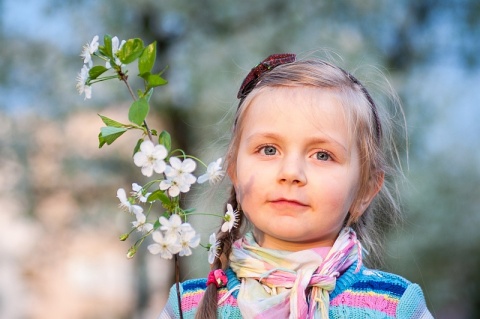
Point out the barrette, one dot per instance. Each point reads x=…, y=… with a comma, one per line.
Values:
x=266, y=65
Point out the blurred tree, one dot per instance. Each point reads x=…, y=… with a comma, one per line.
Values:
x=210, y=45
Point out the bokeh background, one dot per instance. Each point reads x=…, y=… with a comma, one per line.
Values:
x=60, y=256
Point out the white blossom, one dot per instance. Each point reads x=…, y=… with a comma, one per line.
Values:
x=213, y=249
x=175, y=186
x=164, y=245
x=171, y=226
x=126, y=204
x=151, y=158
x=186, y=227
x=141, y=223
x=230, y=219
x=137, y=192
x=82, y=79
x=181, y=169
x=188, y=239
x=179, y=177
x=116, y=45
x=88, y=50
x=214, y=173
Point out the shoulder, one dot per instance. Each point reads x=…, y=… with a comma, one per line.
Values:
x=378, y=293
x=191, y=294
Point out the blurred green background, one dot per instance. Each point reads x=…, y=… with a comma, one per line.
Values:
x=59, y=221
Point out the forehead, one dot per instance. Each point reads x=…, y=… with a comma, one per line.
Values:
x=305, y=108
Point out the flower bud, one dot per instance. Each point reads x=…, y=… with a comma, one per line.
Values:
x=124, y=237
x=131, y=252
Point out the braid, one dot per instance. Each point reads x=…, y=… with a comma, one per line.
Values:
x=208, y=305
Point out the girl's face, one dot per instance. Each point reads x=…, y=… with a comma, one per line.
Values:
x=297, y=171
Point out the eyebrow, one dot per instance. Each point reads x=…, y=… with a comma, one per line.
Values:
x=311, y=140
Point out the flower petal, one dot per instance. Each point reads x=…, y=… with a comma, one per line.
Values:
x=176, y=163
x=203, y=178
x=147, y=147
x=165, y=184
x=189, y=165
x=140, y=159
x=122, y=195
x=195, y=241
x=225, y=227
x=159, y=166
x=175, y=220
x=136, y=209
x=164, y=222
x=160, y=152
x=174, y=191
x=157, y=237
x=154, y=248
x=147, y=170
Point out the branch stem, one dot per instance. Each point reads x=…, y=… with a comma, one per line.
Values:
x=124, y=78
x=177, y=284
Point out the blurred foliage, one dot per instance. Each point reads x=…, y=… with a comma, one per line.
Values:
x=428, y=49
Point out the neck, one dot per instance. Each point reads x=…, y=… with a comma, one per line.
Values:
x=269, y=242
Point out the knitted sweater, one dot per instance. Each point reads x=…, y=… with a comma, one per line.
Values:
x=364, y=294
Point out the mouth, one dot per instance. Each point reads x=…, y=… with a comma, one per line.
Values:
x=288, y=203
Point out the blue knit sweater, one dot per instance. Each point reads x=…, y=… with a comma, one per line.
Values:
x=364, y=294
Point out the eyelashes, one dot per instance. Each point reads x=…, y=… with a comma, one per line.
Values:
x=271, y=150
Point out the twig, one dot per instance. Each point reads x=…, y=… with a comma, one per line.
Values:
x=124, y=78
x=177, y=283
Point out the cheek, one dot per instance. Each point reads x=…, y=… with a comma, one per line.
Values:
x=244, y=186
x=352, y=194
x=341, y=192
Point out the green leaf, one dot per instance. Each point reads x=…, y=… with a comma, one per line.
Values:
x=106, y=49
x=130, y=51
x=166, y=140
x=144, y=75
x=159, y=195
x=138, y=111
x=137, y=147
x=110, y=122
x=96, y=71
x=147, y=95
x=101, y=140
x=154, y=80
x=109, y=134
x=147, y=59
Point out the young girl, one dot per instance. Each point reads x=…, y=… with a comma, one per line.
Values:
x=308, y=160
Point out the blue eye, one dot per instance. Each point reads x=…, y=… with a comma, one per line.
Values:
x=322, y=156
x=269, y=150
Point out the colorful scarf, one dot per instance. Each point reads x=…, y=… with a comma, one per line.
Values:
x=284, y=284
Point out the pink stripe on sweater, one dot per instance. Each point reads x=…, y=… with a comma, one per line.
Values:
x=372, y=301
x=191, y=300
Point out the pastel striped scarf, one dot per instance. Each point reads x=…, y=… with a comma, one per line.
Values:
x=284, y=284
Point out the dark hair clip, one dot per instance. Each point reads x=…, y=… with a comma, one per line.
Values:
x=378, y=126
x=266, y=65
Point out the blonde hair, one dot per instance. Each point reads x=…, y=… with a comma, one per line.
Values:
x=378, y=155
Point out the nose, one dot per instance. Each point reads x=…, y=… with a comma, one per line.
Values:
x=292, y=171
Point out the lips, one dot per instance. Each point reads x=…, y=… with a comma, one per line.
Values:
x=288, y=203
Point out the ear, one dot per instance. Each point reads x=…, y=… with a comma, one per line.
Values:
x=375, y=185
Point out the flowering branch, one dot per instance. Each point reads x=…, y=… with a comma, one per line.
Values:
x=169, y=229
